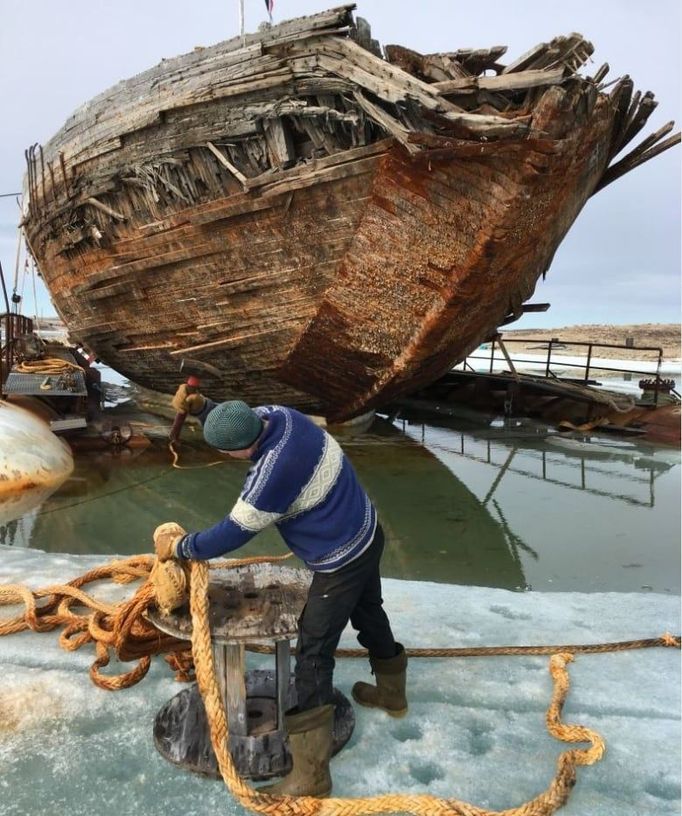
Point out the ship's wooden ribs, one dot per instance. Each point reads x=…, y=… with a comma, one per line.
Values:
x=572, y=51
x=650, y=140
x=638, y=118
x=601, y=73
x=636, y=158
x=279, y=143
x=621, y=96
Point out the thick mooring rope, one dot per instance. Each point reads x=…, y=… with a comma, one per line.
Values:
x=545, y=803
x=122, y=629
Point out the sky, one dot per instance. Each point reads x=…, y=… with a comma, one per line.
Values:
x=620, y=262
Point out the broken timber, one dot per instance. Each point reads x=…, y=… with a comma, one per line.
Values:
x=317, y=224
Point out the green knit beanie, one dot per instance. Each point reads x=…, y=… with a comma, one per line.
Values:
x=232, y=426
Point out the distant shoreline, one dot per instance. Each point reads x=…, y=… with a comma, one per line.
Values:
x=665, y=336
x=658, y=335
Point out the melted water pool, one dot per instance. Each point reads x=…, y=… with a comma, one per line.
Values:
x=499, y=507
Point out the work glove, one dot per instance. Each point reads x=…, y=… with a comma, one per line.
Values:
x=166, y=538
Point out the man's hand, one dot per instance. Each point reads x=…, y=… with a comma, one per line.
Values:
x=166, y=536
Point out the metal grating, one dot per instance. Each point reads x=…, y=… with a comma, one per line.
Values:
x=42, y=385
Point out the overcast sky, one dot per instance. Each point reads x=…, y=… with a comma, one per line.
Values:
x=620, y=263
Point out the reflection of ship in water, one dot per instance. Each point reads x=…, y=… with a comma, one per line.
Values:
x=436, y=528
x=18, y=513
x=575, y=462
x=91, y=511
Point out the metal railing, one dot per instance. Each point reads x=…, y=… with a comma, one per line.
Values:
x=589, y=366
x=11, y=326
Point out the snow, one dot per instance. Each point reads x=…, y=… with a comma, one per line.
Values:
x=475, y=729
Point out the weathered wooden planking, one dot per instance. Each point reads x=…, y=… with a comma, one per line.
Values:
x=379, y=349
x=245, y=246
x=430, y=67
x=252, y=603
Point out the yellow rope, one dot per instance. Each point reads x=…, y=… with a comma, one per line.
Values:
x=547, y=802
x=176, y=457
x=119, y=628
x=122, y=628
x=50, y=365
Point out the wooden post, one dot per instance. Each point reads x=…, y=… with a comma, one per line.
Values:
x=508, y=359
x=588, y=363
x=229, y=660
x=549, y=356
x=241, y=23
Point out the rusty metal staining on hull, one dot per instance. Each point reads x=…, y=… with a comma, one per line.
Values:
x=316, y=224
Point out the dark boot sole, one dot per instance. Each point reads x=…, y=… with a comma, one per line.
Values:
x=396, y=713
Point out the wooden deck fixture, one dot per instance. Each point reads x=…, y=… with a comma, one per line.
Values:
x=257, y=604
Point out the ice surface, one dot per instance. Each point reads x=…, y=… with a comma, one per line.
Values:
x=475, y=729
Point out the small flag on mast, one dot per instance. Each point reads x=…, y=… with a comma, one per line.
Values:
x=269, y=5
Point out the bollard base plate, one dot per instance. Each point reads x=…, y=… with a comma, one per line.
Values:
x=181, y=733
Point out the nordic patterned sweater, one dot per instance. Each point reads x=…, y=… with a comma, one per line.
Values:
x=302, y=482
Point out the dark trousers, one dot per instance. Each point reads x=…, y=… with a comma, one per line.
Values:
x=351, y=593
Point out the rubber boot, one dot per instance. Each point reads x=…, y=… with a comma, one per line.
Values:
x=389, y=692
x=310, y=743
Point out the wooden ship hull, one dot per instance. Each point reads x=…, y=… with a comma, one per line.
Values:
x=311, y=223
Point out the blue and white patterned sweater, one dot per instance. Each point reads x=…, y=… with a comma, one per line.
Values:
x=301, y=481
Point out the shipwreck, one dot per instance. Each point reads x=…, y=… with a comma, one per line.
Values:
x=311, y=221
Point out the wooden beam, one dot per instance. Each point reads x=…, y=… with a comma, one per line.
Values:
x=241, y=178
x=93, y=202
x=385, y=120
x=505, y=82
